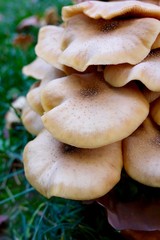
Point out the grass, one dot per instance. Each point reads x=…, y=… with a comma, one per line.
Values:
x=30, y=215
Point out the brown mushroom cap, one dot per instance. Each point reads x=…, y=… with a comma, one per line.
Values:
x=147, y=72
x=141, y=153
x=84, y=111
x=155, y=110
x=109, y=10
x=31, y=120
x=37, y=69
x=104, y=42
x=56, y=169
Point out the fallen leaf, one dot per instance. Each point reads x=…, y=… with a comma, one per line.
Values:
x=32, y=21
x=141, y=214
x=23, y=40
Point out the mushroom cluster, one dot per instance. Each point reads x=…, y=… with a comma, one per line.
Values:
x=98, y=97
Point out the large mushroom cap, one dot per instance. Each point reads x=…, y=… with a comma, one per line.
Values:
x=141, y=153
x=104, y=42
x=147, y=72
x=113, y=9
x=49, y=47
x=84, y=111
x=56, y=169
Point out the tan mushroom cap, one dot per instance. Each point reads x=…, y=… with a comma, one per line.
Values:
x=33, y=96
x=31, y=120
x=48, y=46
x=156, y=2
x=104, y=42
x=56, y=169
x=141, y=153
x=147, y=72
x=84, y=111
x=109, y=10
x=37, y=69
x=155, y=110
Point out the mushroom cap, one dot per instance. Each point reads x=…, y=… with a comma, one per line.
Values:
x=33, y=96
x=84, y=111
x=17, y=106
x=155, y=2
x=37, y=69
x=141, y=154
x=155, y=110
x=49, y=48
x=109, y=10
x=49, y=45
x=104, y=42
x=56, y=169
x=147, y=72
x=31, y=120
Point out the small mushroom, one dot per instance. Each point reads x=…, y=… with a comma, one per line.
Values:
x=103, y=42
x=113, y=9
x=37, y=69
x=57, y=169
x=141, y=153
x=31, y=120
x=33, y=96
x=84, y=111
x=12, y=115
x=147, y=72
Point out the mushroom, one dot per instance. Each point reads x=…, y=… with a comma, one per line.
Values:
x=51, y=52
x=147, y=72
x=15, y=109
x=37, y=69
x=109, y=10
x=84, y=111
x=33, y=96
x=141, y=154
x=31, y=120
x=57, y=169
x=49, y=44
x=104, y=42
